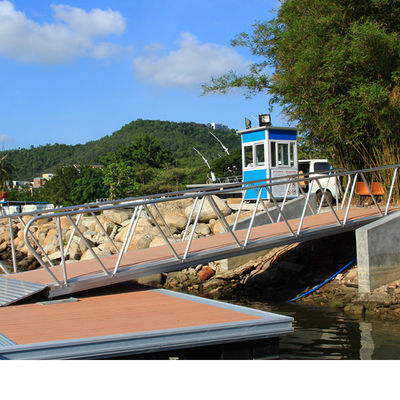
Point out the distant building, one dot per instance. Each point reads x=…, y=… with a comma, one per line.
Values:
x=19, y=184
x=38, y=182
x=47, y=176
x=215, y=126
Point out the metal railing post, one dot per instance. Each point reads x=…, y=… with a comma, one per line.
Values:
x=391, y=190
x=190, y=218
x=252, y=219
x=60, y=240
x=304, y=208
x=194, y=227
x=370, y=192
x=350, y=197
x=14, y=259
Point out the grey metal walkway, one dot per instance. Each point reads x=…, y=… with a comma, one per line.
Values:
x=69, y=276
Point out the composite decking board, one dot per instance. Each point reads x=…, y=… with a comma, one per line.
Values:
x=220, y=241
x=122, y=313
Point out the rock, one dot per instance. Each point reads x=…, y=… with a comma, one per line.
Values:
x=117, y=216
x=202, y=229
x=205, y=273
x=51, y=237
x=176, y=222
x=87, y=255
x=157, y=241
x=75, y=251
x=144, y=242
x=207, y=211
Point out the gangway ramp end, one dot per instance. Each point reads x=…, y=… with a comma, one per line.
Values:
x=13, y=290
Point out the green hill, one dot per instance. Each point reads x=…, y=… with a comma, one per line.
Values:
x=179, y=138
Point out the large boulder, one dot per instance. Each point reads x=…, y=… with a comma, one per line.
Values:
x=117, y=216
x=207, y=211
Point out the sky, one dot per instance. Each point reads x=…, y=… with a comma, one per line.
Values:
x=77, y=70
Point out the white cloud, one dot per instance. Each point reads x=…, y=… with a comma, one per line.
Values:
x=72, y=34
x=5, y=138
x=192, y=64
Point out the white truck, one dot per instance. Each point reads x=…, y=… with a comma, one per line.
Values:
x=319, y=167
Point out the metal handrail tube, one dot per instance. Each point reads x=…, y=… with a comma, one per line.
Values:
x=350, y=197
x=322, y=197
x=391, y=190
x=14, y=259
x=345, y=192
x=280, y=211
x=305, y=195
x=303, y=213
x=89, y=247
x=222, y=219
x=124, y=245
x=264, y=206
x=134, y=226
x=284, y=201
x=71, y=238
x=162, y=232
x=37, y=243
x=240, y=209
x=60, y=240
x=328, y=201
x=189, y=219
x=371, y=194
x=194, y=227
x=252, y=219
x=35, y=253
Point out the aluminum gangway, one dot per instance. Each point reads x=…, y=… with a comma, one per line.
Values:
x=178, y=252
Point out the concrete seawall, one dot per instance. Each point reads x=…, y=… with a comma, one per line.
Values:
x=378, y=253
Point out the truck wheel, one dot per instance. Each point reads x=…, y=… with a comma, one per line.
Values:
x=328, y=195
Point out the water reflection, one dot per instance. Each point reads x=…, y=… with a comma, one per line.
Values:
x=325, y=334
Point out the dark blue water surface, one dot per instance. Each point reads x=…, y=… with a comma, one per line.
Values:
x=324, y=334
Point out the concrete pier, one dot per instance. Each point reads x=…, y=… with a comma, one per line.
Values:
x=378, y=253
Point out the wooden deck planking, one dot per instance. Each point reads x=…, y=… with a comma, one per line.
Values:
x=156, y=254
x=112, y=314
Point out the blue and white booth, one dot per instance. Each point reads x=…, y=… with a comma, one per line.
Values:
x=269, y=152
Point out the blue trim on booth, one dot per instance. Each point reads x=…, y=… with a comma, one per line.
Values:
x=253, y=136
x=282, y=134
x=254, y=175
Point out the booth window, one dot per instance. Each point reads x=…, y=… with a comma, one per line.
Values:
x=260, y=155
x=283, y=154
x=292, y=152
x=248, y=156
x=273, y=154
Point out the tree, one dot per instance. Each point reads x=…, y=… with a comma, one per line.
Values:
x=89, y=186
x=58, y=190
x=119, y=177
x=228, y=164
x=6, y=170
x=334, y=67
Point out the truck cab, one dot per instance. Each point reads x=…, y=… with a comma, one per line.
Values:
x=319, y=167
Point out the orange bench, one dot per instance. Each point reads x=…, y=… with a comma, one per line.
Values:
x=362, y=190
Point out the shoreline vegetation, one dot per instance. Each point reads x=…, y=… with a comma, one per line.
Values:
x=277, y=276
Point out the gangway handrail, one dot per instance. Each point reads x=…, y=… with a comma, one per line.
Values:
x=144, y=203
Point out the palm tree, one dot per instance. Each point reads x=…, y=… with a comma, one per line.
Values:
x=6, y=170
